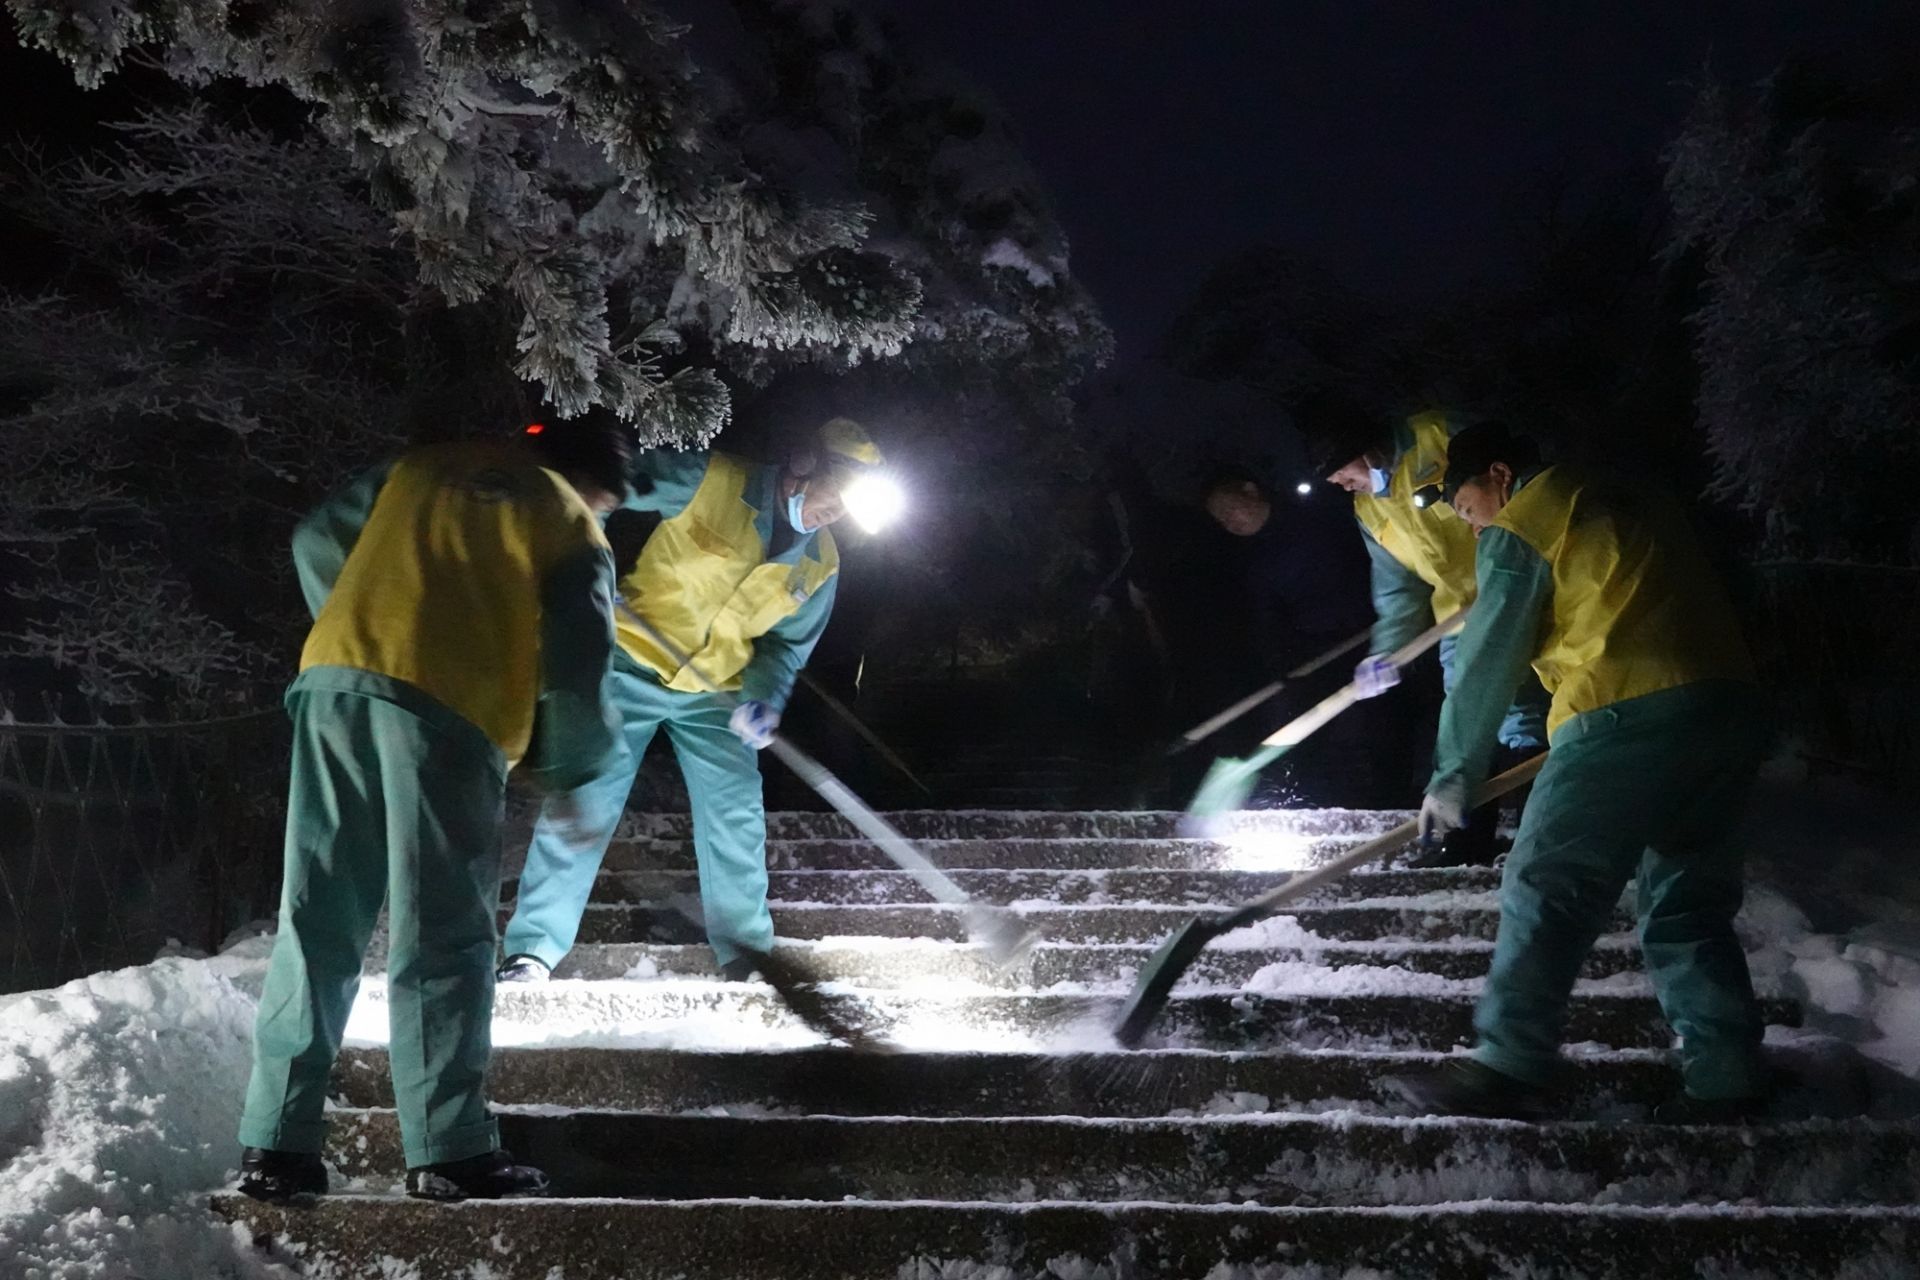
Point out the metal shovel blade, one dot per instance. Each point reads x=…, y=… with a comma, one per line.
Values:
x=1003, y=933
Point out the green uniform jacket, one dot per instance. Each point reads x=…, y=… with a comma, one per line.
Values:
x=1604, y=590
x=704, y=580
x=473, y=587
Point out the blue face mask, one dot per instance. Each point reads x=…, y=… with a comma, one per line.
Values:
x=1382, y=480
x=796, y=510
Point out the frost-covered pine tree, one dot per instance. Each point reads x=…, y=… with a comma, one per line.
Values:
x=225, y=333
x=621, y=206
x=565, y=155
x=1801, y=201
x=978, y=399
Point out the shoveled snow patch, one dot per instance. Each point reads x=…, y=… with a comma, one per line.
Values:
x=1305, y=979
x=1862, y=986
x=1275, y=933
x=119, y=1096
x=1118, y=1267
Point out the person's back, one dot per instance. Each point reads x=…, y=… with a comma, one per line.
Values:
x=1637, y=608
x=1656, y=729
x=457, y=591
x=443, y=586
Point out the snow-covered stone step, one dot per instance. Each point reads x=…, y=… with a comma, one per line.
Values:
x=802, y=1240
x=1064, y=888
x=1309, y=1008
x=1398, y=920
x=1327, y=1159
x=826, y=1080
x=995, y=824
x=1254, y=851
x=909, y=962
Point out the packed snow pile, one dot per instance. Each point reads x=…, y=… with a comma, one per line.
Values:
x=1861, y=986
x=119, y=1096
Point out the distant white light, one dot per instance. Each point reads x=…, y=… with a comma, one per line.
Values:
x=1304, y=489
x=874, y=502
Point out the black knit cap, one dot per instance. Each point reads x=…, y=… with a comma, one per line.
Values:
x=1473, y=451
x=595, y=446
x=1337, y=429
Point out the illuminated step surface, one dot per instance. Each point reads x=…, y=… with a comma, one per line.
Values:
x=993, y=1130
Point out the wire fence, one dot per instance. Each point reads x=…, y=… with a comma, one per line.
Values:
x=116, y=840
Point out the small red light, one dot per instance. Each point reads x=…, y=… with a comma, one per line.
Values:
x=535, y=428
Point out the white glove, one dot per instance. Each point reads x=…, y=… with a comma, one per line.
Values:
x=1374, y=676
x=1438, y=816
x=753, y=722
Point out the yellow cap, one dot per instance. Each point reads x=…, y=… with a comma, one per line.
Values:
x=848, y=440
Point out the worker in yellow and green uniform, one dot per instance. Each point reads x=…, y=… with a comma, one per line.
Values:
x=1656, y=734
x=738, y=579
x=462, y=602
x=1422, y=568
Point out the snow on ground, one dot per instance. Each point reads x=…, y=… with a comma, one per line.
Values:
x=119, y=1095
x=1833, y=910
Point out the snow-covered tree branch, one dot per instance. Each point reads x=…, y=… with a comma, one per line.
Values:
x=1802, y=204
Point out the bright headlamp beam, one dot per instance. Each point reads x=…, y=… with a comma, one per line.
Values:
x=1304, y=489
x=874, y=502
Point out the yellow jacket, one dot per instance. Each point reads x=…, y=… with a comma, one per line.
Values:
x=475, y=576
x=1422, y=556
x=705, y=580
x=1604, y=590
x=1637, y=608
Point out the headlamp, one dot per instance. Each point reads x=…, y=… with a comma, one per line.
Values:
x=874, y=501
x=1428, y=496
x=1304, y=489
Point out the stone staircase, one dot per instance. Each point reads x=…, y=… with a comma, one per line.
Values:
x=695, y=1129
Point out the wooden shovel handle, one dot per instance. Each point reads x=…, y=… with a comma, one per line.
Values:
x=1379, y=846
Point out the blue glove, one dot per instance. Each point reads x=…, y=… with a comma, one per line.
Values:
x=1374, y=676
x=753, y=722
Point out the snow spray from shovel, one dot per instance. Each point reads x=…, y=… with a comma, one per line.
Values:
x=1230, y=781
x=1184, y=944
x=1004, y=934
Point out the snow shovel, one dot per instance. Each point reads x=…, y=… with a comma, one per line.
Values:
x=1207, y=728
x=834, y=1015
x=1003, y=933
x=1184, y=944
x=1230, y=781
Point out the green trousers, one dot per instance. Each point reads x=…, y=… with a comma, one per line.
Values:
x=729, y=825
x=383, y=804
x=1649, y=787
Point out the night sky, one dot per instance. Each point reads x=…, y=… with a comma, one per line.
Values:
x=1388, y=142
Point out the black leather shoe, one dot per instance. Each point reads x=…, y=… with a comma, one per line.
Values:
x=740, y=969
x=276, y=1177
x=491, y=1176
x=1464, y=1087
